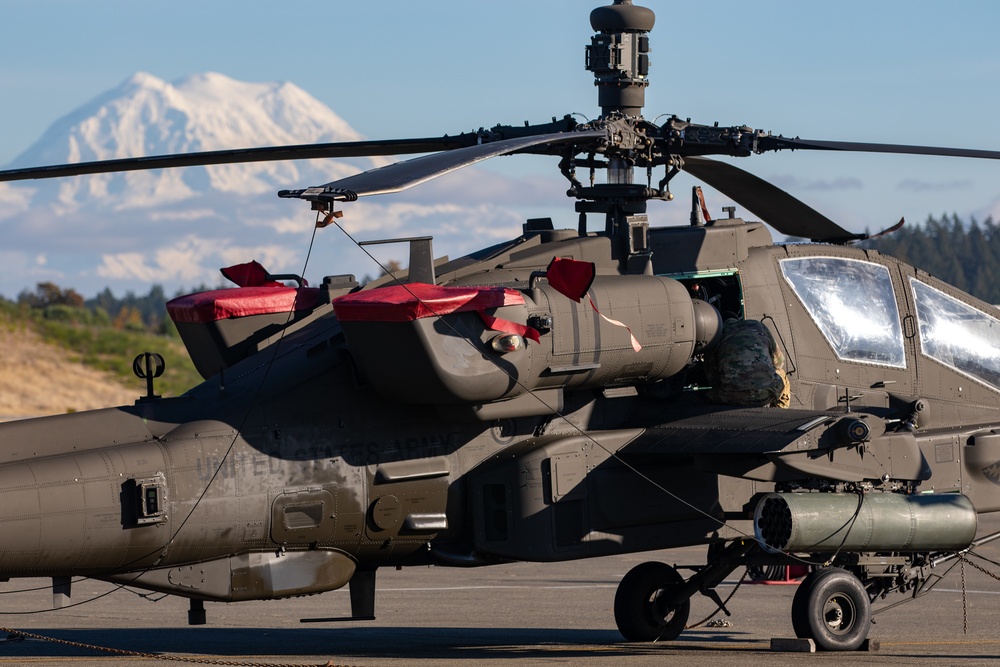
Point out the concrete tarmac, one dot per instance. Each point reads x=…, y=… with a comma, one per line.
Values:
x=511, y=615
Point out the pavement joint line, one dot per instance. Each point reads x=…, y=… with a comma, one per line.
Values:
x=483, y=588
x=944, y=642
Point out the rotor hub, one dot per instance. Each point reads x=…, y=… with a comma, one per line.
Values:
x=622, y=16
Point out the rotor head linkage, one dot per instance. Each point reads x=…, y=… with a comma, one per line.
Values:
x=619, y=56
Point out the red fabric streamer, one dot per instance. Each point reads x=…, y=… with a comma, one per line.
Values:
x=635, y=342
x=508, y=327
x=571, y=277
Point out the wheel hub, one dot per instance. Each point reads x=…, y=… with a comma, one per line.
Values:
x=662, y=610
x=839, y=613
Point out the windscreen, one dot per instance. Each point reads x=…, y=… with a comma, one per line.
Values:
x=853, y=304
x=958, y=335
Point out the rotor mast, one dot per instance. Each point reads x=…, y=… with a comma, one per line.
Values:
x=618, y=56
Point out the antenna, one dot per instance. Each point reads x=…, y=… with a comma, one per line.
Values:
x=148, y=365
x=619, y=56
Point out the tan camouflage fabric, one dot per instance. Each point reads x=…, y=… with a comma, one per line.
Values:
x=747, y=368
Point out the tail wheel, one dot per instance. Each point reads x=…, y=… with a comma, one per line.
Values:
x=832, y=608
x=643, y=611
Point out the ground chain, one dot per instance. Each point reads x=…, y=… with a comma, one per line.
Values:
x=163, y=656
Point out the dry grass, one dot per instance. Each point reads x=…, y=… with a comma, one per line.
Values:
x=37, y=379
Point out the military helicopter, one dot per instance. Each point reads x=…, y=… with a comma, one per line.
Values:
x=553, y=397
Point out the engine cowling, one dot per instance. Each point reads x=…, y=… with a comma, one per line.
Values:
x=412, y=345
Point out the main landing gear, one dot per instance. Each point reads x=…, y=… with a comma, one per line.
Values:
x=653, y=601
x=649, y=604
x=832, y=608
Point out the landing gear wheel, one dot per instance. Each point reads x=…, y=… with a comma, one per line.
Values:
x=799, y=614
x=642, y=611
x=832, y=608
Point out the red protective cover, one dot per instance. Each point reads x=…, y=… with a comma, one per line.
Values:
x=405, y=303
x=571, y=277
x=241, y=302
x=251, y=274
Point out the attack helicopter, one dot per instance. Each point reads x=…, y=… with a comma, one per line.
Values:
x=549, y=398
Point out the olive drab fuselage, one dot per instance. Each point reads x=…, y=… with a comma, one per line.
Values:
x=554, y=397
x=293, y=470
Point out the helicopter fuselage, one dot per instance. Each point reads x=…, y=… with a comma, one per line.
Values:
x=290, y=472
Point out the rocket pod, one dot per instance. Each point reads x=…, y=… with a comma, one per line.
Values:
x=827, y=522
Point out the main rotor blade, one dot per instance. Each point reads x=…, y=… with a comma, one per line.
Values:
x=262, y=154
x=403, y=175
x=780, y=143
x=776, y=207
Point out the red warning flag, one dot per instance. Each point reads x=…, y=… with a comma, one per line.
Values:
x=573, y=278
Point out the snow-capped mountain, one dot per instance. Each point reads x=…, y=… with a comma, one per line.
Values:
x=148, y=116
x=176, y=227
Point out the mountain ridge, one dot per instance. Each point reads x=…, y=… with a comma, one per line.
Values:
x=169, y=226
x=145, y=115
x=131, y=230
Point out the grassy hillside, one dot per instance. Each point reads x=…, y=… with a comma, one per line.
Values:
x=97, y=343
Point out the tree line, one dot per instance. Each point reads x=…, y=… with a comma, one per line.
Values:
x=132, y=312
x=966, y=255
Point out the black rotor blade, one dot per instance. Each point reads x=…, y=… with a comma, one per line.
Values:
x=262, y=154
x=781, y=143
x=776, y=207
x=403, y=175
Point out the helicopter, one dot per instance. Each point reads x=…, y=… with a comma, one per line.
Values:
x=552, y=397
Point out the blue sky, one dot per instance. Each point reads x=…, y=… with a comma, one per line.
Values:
x=899, y=72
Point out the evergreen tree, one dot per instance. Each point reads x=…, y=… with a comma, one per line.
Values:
x=964, y=255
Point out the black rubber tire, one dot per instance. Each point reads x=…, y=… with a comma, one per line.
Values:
x=641, y=613
x=832, y=608
x=800, y=623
